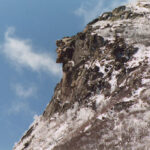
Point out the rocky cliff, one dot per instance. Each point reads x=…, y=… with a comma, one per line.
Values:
x=103, y=99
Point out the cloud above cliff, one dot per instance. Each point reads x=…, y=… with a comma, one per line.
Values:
x=22, y=54
x=23, y=91
x=20, y=107
x=132, y=1
x=93, y=8
x=88, y=12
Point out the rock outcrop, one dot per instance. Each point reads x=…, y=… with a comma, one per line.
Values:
x=103, y=99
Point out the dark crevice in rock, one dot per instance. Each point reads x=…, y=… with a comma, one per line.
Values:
x=28, y=133
x=123, y=105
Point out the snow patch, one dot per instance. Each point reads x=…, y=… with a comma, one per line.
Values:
x=48, y=134
x=99, y=99
x=133, y=30
x=142, y=54
x=87, y=128
x=101, y=116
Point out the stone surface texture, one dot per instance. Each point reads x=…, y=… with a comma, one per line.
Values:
x=103, y=99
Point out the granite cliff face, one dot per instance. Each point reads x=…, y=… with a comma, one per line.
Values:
x=103, y=99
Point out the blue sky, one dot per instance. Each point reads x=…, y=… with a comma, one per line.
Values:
x=28, y=31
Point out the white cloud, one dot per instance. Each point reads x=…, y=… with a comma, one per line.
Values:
x=87, y=13
x=20, y=107
x=132, y=1
x=93, y=8
x=25, y=92
x=22, y=53
x=21, y=104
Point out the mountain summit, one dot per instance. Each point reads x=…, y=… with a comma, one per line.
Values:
x=103, y=99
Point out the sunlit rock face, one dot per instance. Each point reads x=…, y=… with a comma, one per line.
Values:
x=103, y=99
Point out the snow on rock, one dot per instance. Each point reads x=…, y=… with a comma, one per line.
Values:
x=87, y=128
x=142, y=55
x=49, y=133
x=103, y=100
x=99, y=99
x=133, y=30
x=100, y=117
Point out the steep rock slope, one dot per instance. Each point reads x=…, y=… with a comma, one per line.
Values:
x=103, y=99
